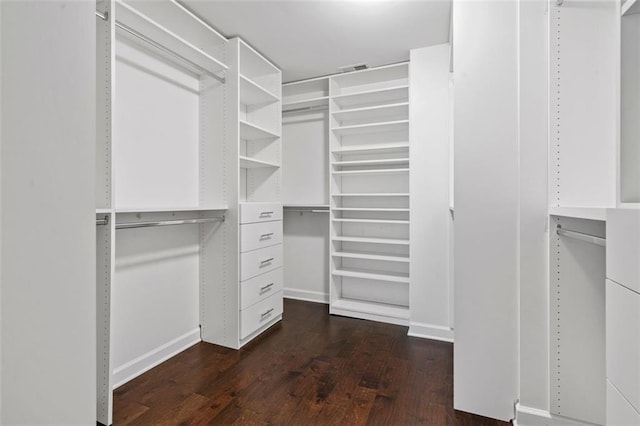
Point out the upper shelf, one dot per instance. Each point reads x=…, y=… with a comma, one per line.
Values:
x=591, y=213
x=169, y=209
x=252, y=163
x=389, y=126
x=400, y=110
x=371, y=149
x=249, y=131
x=251, y=93
x=305, y=104
x=394, y=94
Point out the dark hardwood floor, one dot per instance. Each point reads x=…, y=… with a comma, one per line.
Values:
x=313, y=368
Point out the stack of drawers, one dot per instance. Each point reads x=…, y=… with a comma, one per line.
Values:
x=623, y=317
x=260, y=265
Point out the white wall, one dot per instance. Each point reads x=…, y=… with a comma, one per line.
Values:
x=47, y=225
x=429, y=182
x=486, y=208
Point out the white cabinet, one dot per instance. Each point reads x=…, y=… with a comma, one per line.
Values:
x=260, y=212
x=259, y=288
x=260, y=261
x=259, y=235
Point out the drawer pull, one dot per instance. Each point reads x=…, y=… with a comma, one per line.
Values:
x=267, y=313
x=263, y=214
x=264, y=262
x=266, y=287
x=266, y=236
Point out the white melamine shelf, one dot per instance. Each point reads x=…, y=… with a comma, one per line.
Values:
x=104, y=211
x=373, y=194
x=591, y=213
x=395, y=277
x=394, y=94
x=372, y=308
x=252, y=93
x=380, y=111
x=369, y=255
x=370, y=240
x=249, y=131
x=630, y=7
x=372, y=149
x=305, y=206
x=252, y=163
x=169, y=209
x=306, y=103
x=370, y=172
x=379, y=221
x=359, y=129
x=381, y=162
x=369, y=209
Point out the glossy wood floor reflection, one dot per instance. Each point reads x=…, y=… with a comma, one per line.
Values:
x=312, y=369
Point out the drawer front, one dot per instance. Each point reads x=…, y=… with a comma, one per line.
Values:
x=260, y=314
x=259, y=288
x=258, y=235
x=623, y=247
x=258, y=262
x=623, y=341
x=260, y=212
x=619, y=411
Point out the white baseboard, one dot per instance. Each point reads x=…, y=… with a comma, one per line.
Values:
x=528, y=416
x=430, y=331
x=306, y=295
x=145, y=362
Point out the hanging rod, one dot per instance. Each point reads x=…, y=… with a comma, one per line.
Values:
x=129, y=225
x=581, y=236
x=306, y=109
x=104, y=16
x=103, y=221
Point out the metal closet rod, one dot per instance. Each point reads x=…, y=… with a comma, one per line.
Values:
x=103, y=221
x=581, y=236
x=105, y=17
x=129, y=225
x=306, y=109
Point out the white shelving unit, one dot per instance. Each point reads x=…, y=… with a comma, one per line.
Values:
x=369, y=151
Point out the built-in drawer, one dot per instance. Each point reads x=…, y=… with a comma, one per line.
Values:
x=623, y=247
x=259, y=261
x=623, y=341
x=259, y=288
x=619, y=411
x=258, y=235
x=260, y=212
x=260, y=314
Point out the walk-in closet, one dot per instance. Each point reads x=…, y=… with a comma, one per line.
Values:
x=343, y=212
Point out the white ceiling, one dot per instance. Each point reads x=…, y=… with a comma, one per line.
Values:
x=310, y=38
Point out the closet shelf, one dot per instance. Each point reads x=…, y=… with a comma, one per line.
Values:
x=359, y=129
x=170, y=209
x=305, y=206
x=395, y=277
x=373, y=194
x=382, y=162
x=379, y=221
x=379, y=111
x=306, y=103
x=372, y=308
x=369, y=255
x=592, y=213
x=370, y=209
x=104, y=211
x=367, y=97
x=369, y=240
x=251, y=163
x=249, y=131
x=251, y=93
x=370, y=172
x=373, y=149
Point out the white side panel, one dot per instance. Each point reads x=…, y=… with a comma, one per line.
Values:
x=486, y=216
x=623, y=247
x=619, y=411
x=48, y=213
x=429, y=183
x=534, y=247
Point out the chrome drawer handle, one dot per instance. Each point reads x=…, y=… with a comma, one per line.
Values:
x=267, y=313
x=264, y=262
x=266, y=236
x=266, y=287
x=265, y=214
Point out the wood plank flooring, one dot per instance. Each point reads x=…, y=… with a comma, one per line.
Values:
x=312, y=369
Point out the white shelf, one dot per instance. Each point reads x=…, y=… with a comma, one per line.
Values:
x=379, y=221
x=306, y=103
x=306, y=206
x=366, y=255
x=251, y=163
x=252, y=93
x=104, y=211
x=373, y=149
x=169, y=209
x=370, y=209
x=395, y=277
x=367, y=113
x=382, y=162
x=249, y=131
x=359, y=129
x=370, y=240
x=630, y=7
x=387, y=95
x=370, y=172
x=372, y=308
x=591, y=213
x=373, y=194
